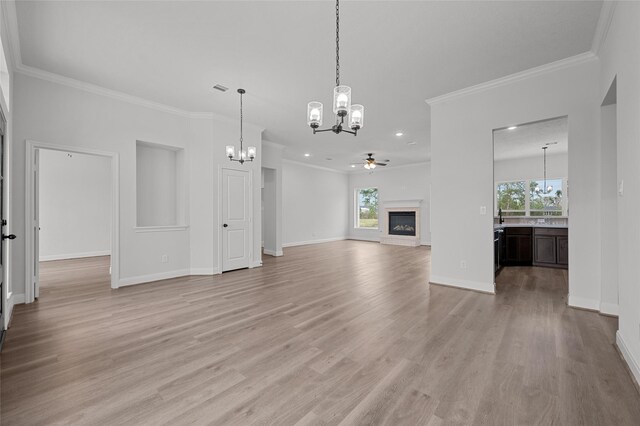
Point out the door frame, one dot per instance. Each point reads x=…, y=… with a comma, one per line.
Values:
x=30, y=209
x=220, y=222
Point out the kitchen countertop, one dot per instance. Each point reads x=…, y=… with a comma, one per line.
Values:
x=529, y=225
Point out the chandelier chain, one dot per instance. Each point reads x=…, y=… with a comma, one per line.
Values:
x=337, y=43
x=241, y=122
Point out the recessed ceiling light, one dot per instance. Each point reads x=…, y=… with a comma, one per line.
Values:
x=512, y=128
x=411, y=143
x=399, y=133
x=353, y=165
x=220, y=87
x=307, y=155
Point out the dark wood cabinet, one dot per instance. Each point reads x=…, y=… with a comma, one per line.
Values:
x=563, y=250
x=551, y=247
x=518, y=246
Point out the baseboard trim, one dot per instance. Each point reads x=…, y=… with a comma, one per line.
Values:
x=609, y=309
x=632, y=364
x=370, y=239
x=18, y=299
x=141, y=279
x=74, y=255
x=582, y=303
x=480, y=287
x=306, y=243
x=204, y=271
x=256, y=264
x=273, y=253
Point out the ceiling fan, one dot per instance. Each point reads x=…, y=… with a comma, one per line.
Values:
x=370, y=163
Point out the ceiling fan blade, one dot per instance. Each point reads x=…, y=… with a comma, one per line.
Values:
x=381, y=164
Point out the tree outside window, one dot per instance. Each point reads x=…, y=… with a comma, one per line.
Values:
x=367, y=208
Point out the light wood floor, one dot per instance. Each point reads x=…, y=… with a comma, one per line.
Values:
x=346, y=332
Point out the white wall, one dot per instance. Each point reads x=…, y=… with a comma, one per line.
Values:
x=314, y=204
x=620, y=59
x=75, y=205
x=272, y=161
x=55, y=113
x=410, y=182
x=462, y=172
x=531, y=168
x=609, y=212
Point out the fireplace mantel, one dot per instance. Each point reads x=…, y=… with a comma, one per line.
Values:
x=395, y=204
x=401, y=205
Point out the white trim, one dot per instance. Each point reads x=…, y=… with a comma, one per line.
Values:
x=313, y=166
x=309, y=242
x=359, y=238
x=604, y=23
x=583, y=303
x=609, y=308
x=31, y=147
x=141, y=279
x=50, y=257
x=273, y=253
x=626, y=355
x=17, y=299
x=489, y=288
x=204, y=271
x=167, y=228
x=255, y=264
x=513, y=78
x=11, y=21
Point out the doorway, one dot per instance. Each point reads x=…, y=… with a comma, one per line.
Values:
x=5, y=289
x=74, y=195
x=531, y=206
x=55, y=248
x=237, y=228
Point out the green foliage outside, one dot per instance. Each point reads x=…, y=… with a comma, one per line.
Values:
x=368, y=208
x=511, y=196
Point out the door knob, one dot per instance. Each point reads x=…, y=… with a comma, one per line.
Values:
x=8, y=237
x=225, y=225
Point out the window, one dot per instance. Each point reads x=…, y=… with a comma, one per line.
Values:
x=541, y=204
x=511, y=198
x=526, y=198
x=367, y=208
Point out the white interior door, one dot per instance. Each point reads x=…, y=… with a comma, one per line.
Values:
x=236, y=219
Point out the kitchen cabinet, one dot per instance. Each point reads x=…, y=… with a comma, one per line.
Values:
x=551, y=247
x=518, y=246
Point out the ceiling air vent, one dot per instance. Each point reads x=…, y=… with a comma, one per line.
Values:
x=220, y=87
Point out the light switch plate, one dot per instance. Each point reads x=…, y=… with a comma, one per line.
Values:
x=483, y=210
x=621, y=188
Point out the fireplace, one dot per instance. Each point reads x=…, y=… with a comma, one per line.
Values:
x=402, y=223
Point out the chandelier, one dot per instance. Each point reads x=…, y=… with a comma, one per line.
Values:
x=243, y=155
x=341, y=100
x=545, y=191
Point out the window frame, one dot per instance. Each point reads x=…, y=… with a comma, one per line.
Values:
x=527, y=198
x=356, y=216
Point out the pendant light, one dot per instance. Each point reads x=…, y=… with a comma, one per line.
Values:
x=243, y=155
x=342, y=106
x=547, y=189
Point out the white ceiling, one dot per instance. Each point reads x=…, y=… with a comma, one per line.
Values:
x=394, y=55
x=527, y=140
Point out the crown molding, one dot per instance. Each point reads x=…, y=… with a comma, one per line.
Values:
x=523, y=75
x=313, y=166
x=11, y=23
x=604, y=23
x=98, y=90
